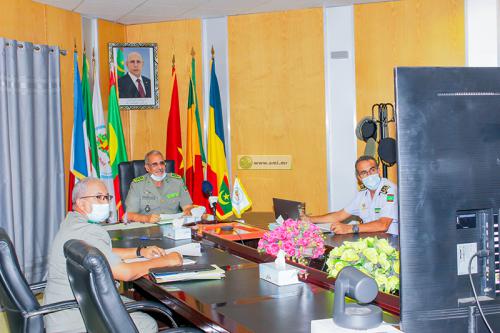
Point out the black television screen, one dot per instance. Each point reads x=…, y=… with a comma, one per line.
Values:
x=448, y=134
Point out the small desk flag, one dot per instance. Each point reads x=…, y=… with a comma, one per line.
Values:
x=239, y=198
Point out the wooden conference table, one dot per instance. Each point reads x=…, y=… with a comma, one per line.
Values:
x=241, y=302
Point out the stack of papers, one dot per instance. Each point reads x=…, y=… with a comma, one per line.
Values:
x=186, y=273
x=196, y=216
x=126, y=226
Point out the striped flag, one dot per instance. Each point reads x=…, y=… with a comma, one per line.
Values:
x=101, y=137
x=117, y=149
x=217, y=168
x=174, y=140
x=89, y=119
x=195, y=156
x=80, y=160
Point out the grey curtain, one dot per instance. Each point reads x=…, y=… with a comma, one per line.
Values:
x=31, y=151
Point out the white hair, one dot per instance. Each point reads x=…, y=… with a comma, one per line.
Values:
x=81, y=187
x=152, y=152
x=134, y=53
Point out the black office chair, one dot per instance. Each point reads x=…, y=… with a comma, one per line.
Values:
x=100, y=304
x=24, y=313
x=127, y=171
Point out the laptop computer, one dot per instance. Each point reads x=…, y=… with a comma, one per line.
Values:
x=287, y=209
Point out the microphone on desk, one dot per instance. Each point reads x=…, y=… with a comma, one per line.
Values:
x=207, y=189
x=212, y=200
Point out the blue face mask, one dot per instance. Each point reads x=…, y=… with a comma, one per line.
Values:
x=371, y=182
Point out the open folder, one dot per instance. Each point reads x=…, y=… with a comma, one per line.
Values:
x=186, y=273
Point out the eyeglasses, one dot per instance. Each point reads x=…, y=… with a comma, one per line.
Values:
x=371, y=171
x=157, y=164
x=100, y=197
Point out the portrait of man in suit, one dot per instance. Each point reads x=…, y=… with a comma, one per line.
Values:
x=134, y=84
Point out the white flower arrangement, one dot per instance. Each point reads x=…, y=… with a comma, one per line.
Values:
x=374, y=257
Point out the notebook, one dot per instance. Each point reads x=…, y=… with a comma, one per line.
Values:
x=187, y=273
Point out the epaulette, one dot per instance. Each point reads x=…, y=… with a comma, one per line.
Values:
x=362, y=187
x=174, y=175
x=138, y=179
x=384, y=189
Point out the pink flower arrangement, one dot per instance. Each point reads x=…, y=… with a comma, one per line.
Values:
x=297, y=238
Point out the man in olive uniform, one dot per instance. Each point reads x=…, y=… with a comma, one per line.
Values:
x=376, y=204
x=91, y=207
x=157, y=192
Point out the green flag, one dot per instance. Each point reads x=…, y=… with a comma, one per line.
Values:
x=89, y=118
x=120, y=63
x=117, y=149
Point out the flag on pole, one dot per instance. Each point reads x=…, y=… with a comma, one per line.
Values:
x=101, y=137
x=80, y=161
x=195, y=156
x=120, y=63
x=239, y=198
x=117, y=149
x=89, y=119
x=174, y=140
x=217, y=168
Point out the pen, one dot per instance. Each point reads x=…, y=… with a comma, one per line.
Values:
x=142, y=238
x=149, y=238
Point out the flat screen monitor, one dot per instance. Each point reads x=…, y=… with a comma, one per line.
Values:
x=448, y=149
x=287, y=209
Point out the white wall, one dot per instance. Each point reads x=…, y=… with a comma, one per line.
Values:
x=215, y=34
x=340, y=92
x=481, y=33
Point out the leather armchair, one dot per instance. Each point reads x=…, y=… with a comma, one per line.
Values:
x=24, y=313
x=100, y=304
x=127, y=171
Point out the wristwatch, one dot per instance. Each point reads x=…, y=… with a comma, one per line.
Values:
x=355, y=229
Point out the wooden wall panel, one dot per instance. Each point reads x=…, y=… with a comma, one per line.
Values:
x=148, y=127
x=29, y=21
x=276, y=70
x=110, y=32
x=403, y=33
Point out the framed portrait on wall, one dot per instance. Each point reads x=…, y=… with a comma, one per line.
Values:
x=137, y=69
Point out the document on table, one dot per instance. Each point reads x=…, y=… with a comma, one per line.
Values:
x=127, y=226
x=191, y=249
x=185, y=261
x=196, y=214
x=328, y=325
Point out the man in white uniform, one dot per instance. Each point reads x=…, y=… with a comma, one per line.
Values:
x=376, y=204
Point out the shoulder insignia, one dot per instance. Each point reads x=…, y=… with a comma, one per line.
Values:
x=362, y=187
x=138, y=179
x=384, y=189
x=174, y=175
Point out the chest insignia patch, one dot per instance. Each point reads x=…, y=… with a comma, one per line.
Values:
x=172, y=195
x=377, y=210
x=147, y=209
x=390, y=197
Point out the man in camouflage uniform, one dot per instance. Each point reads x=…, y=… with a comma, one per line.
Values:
x=376, y=204
x=156, y=192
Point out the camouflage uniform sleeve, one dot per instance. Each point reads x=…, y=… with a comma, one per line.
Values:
x=133, y=201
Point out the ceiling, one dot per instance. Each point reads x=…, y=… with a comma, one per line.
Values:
x=146, y=11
